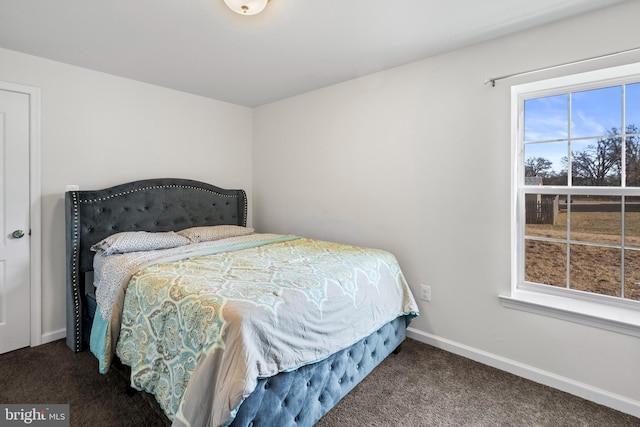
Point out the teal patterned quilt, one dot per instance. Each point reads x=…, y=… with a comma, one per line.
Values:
x=198, y=329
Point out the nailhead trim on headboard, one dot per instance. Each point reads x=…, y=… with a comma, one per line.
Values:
x=153, y=187
x=74, y=273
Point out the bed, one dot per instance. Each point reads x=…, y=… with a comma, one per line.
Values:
x=299, y=370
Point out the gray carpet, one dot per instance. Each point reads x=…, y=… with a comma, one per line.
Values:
x=425, y=386
x=420, y=386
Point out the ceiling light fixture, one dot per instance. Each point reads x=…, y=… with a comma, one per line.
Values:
x=247, y=7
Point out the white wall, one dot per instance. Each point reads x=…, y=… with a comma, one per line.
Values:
x=416, y=160
x=100, y=130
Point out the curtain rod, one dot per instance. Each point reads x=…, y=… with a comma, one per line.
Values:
x=493, y=80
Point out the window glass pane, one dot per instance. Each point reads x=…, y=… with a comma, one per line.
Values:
x=546, y=216
x=546, y=118
x=596, y=219
x=632, y=274
x=596, y=162
x=596, y=112
x=633, y=161
x=545, y=263
x=546, y=160
x=632, y=104
x=595, y=269
x=632, y=221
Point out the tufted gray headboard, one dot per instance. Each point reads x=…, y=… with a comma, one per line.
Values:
x=164, y=204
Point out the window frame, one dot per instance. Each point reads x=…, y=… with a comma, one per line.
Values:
x=606, y=312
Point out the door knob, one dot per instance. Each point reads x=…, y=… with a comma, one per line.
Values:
x=18, y=234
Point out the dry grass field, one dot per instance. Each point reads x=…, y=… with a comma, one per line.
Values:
x=592, y=268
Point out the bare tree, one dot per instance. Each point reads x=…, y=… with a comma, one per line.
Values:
x=537, y=166
x=632, y=152
x=599, y=164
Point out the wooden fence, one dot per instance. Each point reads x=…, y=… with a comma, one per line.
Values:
x=542, y=211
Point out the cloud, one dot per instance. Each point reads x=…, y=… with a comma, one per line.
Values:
x=546, y=118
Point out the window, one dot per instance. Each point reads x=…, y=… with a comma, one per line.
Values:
x=576, y=198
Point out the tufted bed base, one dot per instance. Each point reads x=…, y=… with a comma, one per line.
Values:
x=302, y=397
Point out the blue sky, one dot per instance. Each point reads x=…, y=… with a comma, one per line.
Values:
x=594, y=113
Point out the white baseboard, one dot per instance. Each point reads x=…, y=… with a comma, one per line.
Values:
x=585, y=391
x=54, y=336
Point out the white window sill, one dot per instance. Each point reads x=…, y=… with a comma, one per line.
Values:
x=592, y=313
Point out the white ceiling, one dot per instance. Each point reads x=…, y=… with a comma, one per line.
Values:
x=294, y=46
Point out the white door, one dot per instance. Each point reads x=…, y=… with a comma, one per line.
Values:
x=14, y=221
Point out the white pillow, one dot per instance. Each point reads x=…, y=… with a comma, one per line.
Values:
x=134, y=241
x=214, y=232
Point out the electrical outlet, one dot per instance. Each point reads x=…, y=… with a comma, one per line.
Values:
x=425, y=292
